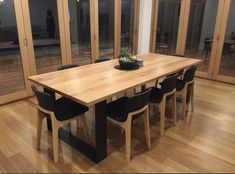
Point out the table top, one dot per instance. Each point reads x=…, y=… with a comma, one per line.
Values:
x=90, y=84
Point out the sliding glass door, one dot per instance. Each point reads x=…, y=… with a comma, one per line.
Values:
x=12, y=52
x=200, y=33
x=166, y=25
x=80, y=32
x=106, y=28
x=129, y=29
x=225, y=64
x=46, y=34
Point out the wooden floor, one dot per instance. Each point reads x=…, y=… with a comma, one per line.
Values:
x=203, y=142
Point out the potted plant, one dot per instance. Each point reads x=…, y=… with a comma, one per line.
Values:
x=127, y=60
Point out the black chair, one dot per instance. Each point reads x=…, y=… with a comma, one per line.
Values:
x=122, y=111
x=68, y=66
x=179, y=75
x=207, y=46
x=159, y=96
x=61, y=112
x=185, y=88
x=103, y=59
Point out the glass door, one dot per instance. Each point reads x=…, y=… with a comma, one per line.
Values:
x=13, y=52
x=225, y=63
x=200, y=33
x=129, y=22
x=167, y=25
x=106, y=28
x=80, y=31
x=46, y=34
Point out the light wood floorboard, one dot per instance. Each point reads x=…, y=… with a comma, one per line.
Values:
x=203, y=142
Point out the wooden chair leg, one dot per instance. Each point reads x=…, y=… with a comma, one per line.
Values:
x=55, y=129
x=162, y=116
x=184, y=98
x=134, y=91
x=70, y=127
x=192, y=98
x=78, y=123
x=86, y=130
x=147, y=128
x=156, y=83
x=143, y=87
x=39, y=129
x=128, y=141
x=174, y=108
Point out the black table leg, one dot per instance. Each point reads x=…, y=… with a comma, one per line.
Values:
x=98, y=153
x=101, y=131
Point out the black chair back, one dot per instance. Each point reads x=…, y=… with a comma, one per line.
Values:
x=68, y=66
x=178, y=55
x=137, y=101
x=189, y=74
x=169, y=83
x=178, y=73
x=102, y=60
x=44, y=99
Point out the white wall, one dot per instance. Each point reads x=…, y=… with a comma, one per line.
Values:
x=144, y=26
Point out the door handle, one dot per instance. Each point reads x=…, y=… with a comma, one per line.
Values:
x=25, y=42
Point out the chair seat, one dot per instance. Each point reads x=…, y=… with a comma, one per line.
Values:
x=156, y=95
x=179, y=84
x=68, y=109
x=115, y=109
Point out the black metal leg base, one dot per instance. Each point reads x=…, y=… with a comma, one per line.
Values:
x=95, y=154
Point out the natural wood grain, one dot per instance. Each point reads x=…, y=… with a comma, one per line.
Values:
x=203, y=142
x=102, y=80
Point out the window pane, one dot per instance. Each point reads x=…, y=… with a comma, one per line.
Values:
x=106, y=28
x=46, y=36
x=201, y=29
x=127, y=25
x=79, y=12
x=167, y=26
x=227, y=64
x=11, y=71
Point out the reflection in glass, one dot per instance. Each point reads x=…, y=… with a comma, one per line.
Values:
x=227, y=64
x=79, y=12
x=46, y=36
x=127, y=25
x=11, y=72
x=167, y=26
x=106, y=28
x=201, y=29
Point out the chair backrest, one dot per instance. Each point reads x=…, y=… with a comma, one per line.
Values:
x=189, y=74
x=178, y=73
x=68, y=66
x=169, y=83
x=178, y=55
x=44, y=99
x=102, y=60
x=137, y=101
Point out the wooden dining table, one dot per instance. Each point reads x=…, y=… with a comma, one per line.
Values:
x=93, y=84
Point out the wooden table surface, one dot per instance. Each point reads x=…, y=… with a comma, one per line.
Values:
x=93, y=83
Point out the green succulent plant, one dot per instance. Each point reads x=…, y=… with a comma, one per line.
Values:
x=126, y=55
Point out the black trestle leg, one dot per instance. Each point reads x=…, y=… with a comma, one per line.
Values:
x=98, y=153
x=101, y=131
